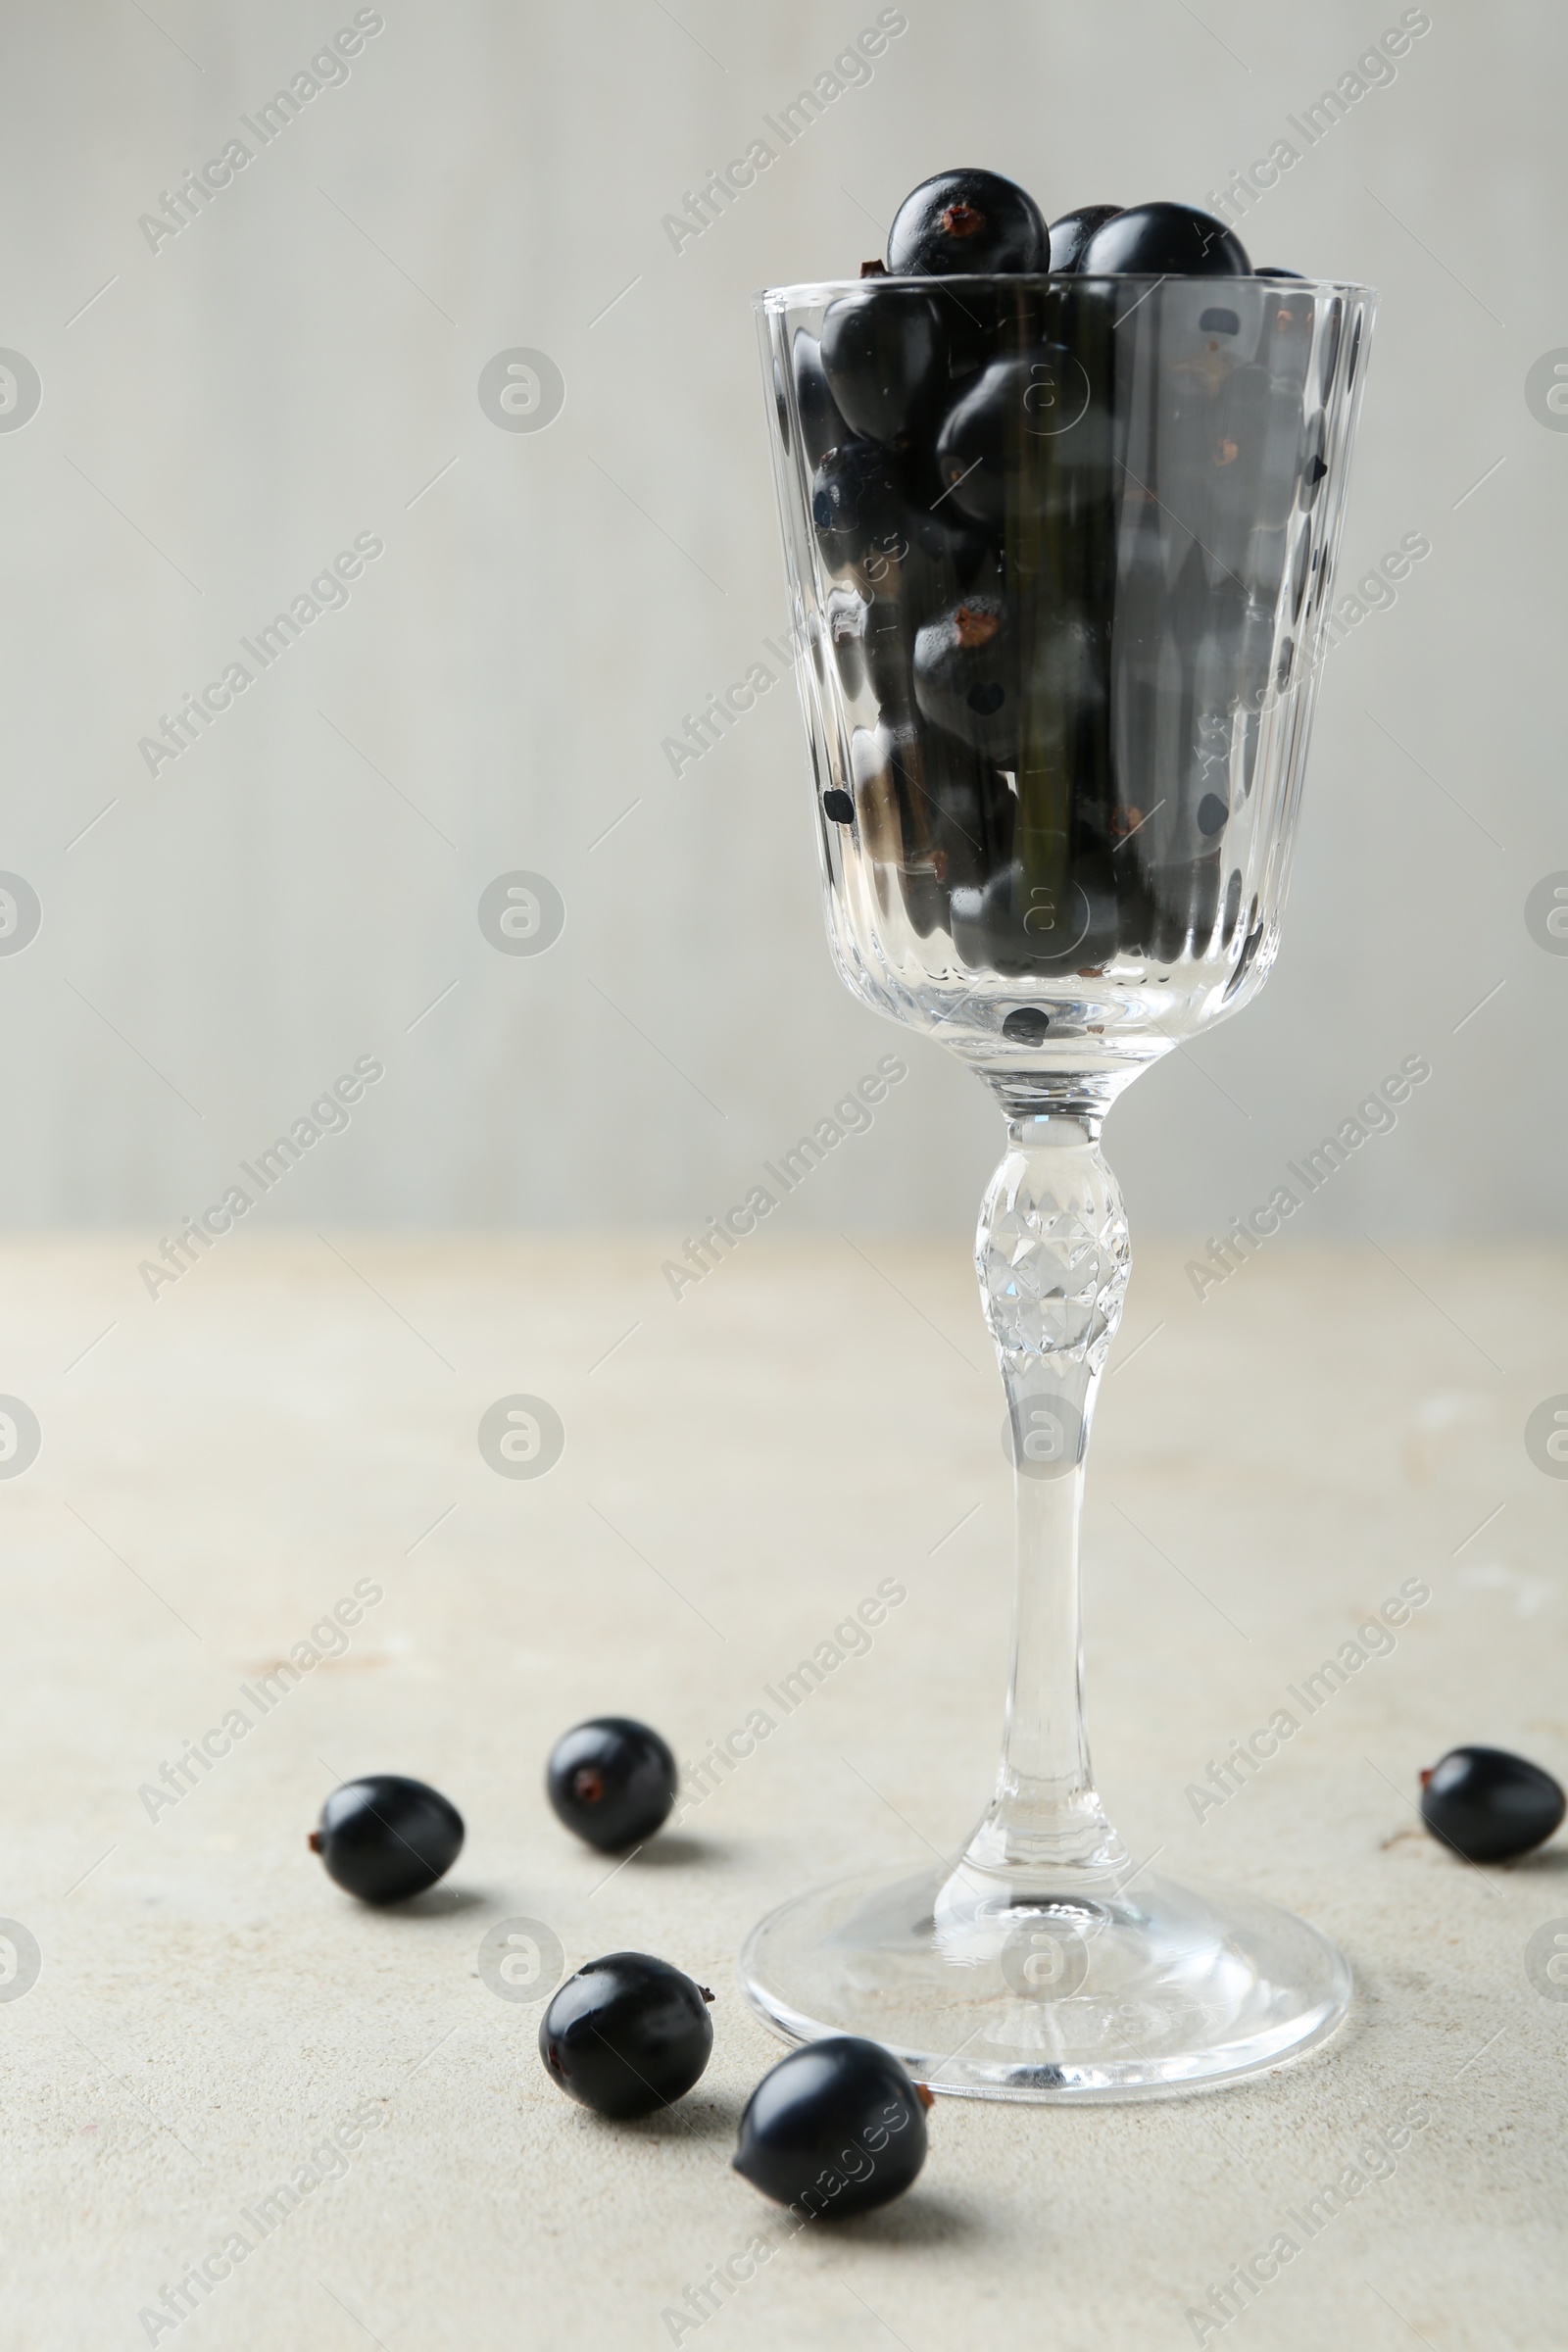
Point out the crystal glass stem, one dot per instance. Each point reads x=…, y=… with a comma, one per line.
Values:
x=1053, y=1260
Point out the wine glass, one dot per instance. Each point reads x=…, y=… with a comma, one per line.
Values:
x=1063, y=623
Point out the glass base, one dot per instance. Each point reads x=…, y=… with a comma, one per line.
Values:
x=986, y=1989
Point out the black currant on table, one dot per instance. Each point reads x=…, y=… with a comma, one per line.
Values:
x=627, y=2034
x=885, y=355
x=1489, y=1805
x=612, y=1781
x=1173, y=240
x=836, y=2128
x=384, y=1837
x=1072, y=233
x=967, y=223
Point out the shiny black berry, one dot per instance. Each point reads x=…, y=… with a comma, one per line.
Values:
x=885, y=356
x=1490, y=1805
x=838, y=807
x=1072, y=233
x=836, y=2128
x=627, y=2034
x=967, y=225
x=384, y=1839
x=1017, y=432
x=857, y=502
x=968, y=674
x=821, y=426
x=974, y=676
x=612, y=1781
x=1053, y=914
x=1173, y=240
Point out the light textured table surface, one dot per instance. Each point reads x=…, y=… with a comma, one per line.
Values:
x=226, y=1464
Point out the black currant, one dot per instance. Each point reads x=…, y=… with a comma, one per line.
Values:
x=932, y=809
x=1295, y=273
x=1173, y=240
x=838, y=807
x=1019, y=435
x=384, y=1837
x=962, y=804
x=967, y=225
x=1072, y=233
x=856, y=502
x=885, y=356
x=1039, y=920
x=626, y=2033
x=1490, y=1805
x=968, y=676
x=837, y=2128
x=612, y=1781
x=821, y=426
x=973, y=677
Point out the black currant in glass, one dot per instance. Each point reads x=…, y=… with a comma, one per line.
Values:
x=1490, y=1805
x=856, y=501
x=967, y=225
x=384, y=1837
x=931, y=807
x=1015, y=433
x=837, y=2127
x=613, y=1780
x=1072, y=233
x=1051, y=913
x=627, y=2034
x=966, y=674
x=1295, y=273
x=838, y=807
x=821, y=426
x=973, y=677
x=1163, y=239
x=885, y=356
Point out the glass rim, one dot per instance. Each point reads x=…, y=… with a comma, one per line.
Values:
x=771, y=300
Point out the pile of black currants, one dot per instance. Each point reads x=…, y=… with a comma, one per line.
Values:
x=832, y=2130
x=837, y=2128
x=1052, y=642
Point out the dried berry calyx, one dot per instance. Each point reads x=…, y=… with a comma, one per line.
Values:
x=976, y=628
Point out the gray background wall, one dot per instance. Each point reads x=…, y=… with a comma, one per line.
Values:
x=295, y=367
